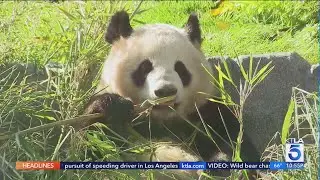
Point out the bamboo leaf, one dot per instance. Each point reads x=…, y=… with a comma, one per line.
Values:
x=222, y=74
x=45, y=117
x=244, y=74
x=286, y=122
x=263, y=76
x=222, y=102
x=250, y=67
x=225, y=64
x=261, y=71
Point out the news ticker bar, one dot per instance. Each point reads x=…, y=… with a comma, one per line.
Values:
x=53, y=165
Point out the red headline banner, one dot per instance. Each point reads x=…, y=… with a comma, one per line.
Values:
x=38, y=165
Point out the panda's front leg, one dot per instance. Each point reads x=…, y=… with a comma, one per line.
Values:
x=117, y=111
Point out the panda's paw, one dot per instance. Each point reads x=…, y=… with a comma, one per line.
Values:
x=220, y=157
x=112, y=106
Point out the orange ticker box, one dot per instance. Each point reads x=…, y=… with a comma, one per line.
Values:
x=37, y=165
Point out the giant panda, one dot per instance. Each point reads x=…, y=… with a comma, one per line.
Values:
x=157, y=61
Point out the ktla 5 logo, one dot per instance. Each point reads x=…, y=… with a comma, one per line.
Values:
x=294, y=150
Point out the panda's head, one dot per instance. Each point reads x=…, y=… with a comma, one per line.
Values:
x=155, y=61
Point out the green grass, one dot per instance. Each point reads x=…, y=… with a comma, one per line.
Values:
x=71, y=33
x=41, y=31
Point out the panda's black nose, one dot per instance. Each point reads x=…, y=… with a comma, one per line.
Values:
x=167, y=90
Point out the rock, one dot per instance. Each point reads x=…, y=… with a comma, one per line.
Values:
x=18, y=72
x=266, y=106
x=24, y=87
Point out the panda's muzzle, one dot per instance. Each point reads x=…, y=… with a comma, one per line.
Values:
x=167, y=95
x=166, y=91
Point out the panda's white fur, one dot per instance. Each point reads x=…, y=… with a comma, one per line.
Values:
x=163, y=45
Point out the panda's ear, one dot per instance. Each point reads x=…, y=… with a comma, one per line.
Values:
x=119, y=26
x=192, y=27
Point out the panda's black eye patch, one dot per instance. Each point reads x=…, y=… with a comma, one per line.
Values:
x=140, y=74
x=183, y=72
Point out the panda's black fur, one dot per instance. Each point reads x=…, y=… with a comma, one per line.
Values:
x=119, y=111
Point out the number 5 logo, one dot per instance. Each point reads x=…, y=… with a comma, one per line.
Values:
x=294, y=150
x=294, y=153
